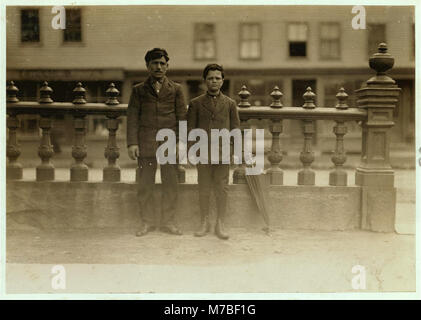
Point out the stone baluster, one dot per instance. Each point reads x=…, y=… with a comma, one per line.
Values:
x=112, y=172
x=275, y=128
x=13, y=168
x=79, y=170
x=45, y=171
x=378, y=97
x=306, y=176
x=239, y=175
x=275, y=156
x=338, y=177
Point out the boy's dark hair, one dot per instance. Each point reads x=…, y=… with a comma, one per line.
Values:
x=213, y=67
x=156, y=53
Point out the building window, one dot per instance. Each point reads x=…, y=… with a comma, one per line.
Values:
x=250, y=41
x=297, y=39
x=330, y=41
x=204, y=41
x=73, y=31
x=29, y=25
x=376, y=35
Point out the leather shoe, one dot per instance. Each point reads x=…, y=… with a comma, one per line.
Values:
x=204, y=228
x=219, y=230
x=144, y=230
x=171, y=229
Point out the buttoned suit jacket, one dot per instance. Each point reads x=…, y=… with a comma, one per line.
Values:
x=202, y=114
x=148, y=112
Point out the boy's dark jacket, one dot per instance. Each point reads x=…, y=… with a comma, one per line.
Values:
x=203, y=114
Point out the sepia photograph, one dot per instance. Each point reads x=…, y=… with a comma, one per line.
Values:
x=210, y=149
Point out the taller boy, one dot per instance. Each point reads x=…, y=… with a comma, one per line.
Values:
x=154, y=104
x=213, y=110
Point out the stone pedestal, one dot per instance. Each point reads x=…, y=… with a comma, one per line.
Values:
x=338, y=178
x=45, y=172
x=378, y=97
x=112, y=174
x=14, y=171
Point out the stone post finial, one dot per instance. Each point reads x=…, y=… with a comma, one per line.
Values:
x=381, y=62
x=276, y=95
x=12, y=92
x=244, y=94
x=79, y=93
x=342, y=98
x=112, y=93
x=309, y=98
x=45, y=93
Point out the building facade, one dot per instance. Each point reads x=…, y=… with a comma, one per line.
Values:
x=292, y=47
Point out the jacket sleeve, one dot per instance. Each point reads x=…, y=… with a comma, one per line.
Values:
x=133, y=114
x=234, y=116
x=180, y=107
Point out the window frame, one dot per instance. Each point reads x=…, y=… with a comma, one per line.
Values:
x=325, y=58
x=288, y=41
x=195, y=40
x=240, y=40
x=30, y=43
x=82, y=37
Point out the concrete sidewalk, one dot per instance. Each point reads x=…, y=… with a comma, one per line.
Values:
x=115, y=261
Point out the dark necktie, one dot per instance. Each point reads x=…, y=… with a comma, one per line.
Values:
x=157, y=86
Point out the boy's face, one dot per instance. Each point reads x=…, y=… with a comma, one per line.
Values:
x=157, y=68
x=214, y=81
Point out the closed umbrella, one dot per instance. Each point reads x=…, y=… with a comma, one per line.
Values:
x=259, y=188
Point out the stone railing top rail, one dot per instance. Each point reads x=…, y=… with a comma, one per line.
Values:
x=255, y=112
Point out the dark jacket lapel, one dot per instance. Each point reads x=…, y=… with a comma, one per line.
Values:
x=149, y=86
x=166, y=85
x=207, y=104
x=222, y=101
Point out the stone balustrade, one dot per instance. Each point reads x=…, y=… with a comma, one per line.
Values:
x=375, y=103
